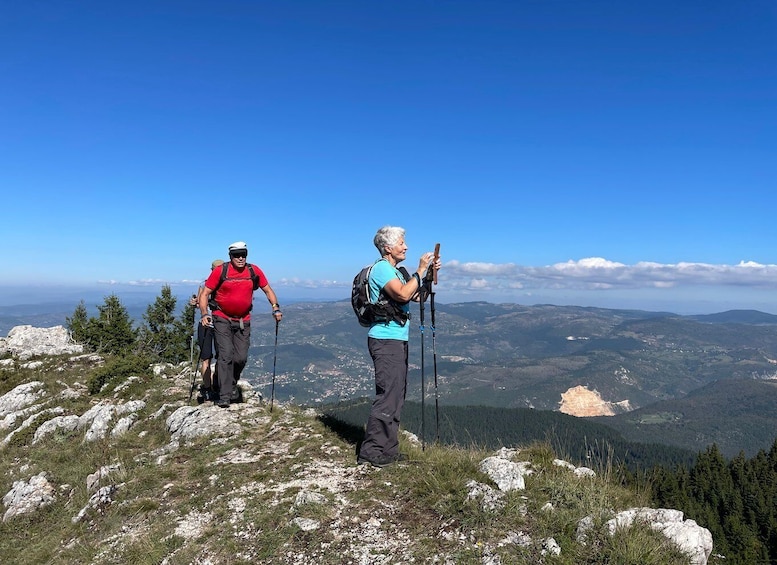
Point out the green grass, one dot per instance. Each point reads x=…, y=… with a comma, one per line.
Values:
x=251, y=509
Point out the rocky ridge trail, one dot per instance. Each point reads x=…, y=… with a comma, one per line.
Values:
x=137, y=474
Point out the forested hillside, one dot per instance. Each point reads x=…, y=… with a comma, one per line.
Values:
x=735, y=499
x=738, y=415
x=577, y=439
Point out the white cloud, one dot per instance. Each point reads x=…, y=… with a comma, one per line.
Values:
x=598, y=273
x=483, y=280
x=296, y=282
x=493, y=269
x=146, y=282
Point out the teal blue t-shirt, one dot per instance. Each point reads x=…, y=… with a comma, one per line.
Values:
x=382, y=272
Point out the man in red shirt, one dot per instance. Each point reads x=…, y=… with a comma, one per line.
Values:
x=231, y=319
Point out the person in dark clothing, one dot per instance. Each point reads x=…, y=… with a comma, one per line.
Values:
x=206, y=343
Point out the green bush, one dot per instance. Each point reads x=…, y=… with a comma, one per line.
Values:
x=117, y=367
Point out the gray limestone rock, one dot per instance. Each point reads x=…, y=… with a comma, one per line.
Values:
x=24, y=342
x=26, y=497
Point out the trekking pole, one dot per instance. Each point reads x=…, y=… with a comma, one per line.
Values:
x=421, y=299
x=434, y=349
x=434, y=357
x=274, y=358
x=191, y=352
x=193, y=384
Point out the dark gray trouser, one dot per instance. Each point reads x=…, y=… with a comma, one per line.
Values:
x=206, y=341
x=382, y=435
x=232, y=344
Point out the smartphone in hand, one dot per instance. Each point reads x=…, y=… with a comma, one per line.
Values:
x=431, y=273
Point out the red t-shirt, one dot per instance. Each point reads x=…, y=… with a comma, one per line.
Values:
x=236, y=293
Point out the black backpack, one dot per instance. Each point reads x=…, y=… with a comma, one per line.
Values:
x=368, y=312
x=212, y=304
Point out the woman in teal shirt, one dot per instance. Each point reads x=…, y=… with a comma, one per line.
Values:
x=387, y=343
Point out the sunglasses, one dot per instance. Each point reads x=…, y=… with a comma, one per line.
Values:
x=239, y=254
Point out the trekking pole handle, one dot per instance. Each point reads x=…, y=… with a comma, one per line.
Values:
x=434, y=260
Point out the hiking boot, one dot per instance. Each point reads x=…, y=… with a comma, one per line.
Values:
x=379, y=461
x=205, y=395
x=399, y=457
x=223, y=403
x=235, y=396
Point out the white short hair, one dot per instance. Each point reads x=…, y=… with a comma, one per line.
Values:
x=387, y=236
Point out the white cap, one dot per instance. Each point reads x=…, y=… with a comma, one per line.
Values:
x=238, y=246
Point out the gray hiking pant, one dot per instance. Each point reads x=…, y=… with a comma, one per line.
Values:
x=382, y=435
x=232, y=343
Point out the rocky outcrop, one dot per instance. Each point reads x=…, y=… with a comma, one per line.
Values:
x=205, y=420
x=14, y=404
x=99, y=500
x=582, y=402
x=28, y=496
x=577, y=471
x=24, y=342
x=22, y=403
x=506, y=473
x=102, y=417
x=509, y=474
x=692, y=539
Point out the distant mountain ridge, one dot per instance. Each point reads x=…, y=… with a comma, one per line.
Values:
x=737, y=317
x=517, y=356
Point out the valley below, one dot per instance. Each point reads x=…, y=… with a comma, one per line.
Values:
x=620, y=367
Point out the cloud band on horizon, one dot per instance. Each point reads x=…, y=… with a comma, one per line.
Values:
x=591, y=273
x=596, y=273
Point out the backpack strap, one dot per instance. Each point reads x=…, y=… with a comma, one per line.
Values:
x=402, y=270
x=254, y=276
x=391, y=308
x=212, y=304
x=381, y=293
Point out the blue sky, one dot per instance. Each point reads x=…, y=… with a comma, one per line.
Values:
x=605, y=153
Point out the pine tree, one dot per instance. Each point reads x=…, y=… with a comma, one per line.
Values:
x=78, y=324
x=736, y=501
x=112, y=331
x=163, y=336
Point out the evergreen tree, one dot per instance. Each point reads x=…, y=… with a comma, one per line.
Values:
x=736, y=501
x=78, y=324
x=112, y=331
x=163, y=336
x=744, y=546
